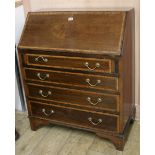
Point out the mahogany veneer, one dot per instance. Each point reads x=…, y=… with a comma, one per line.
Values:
x=78, y=71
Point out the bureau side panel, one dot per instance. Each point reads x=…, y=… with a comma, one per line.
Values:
x=127, y=75
x=21, y=66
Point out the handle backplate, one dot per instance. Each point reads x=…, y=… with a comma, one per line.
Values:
x=90, y=101
x=44, y=95
x=41, y=58
x=94, y=123
x=97, y=65
x=93, y=85
x=47, y=114
x=42, y=77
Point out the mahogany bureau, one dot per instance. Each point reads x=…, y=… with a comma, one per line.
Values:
x=78, y=71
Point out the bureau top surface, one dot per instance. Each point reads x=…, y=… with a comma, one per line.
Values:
x=83, y=32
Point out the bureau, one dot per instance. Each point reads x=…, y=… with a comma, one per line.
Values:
x=78, y=71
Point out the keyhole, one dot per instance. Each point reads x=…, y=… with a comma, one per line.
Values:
x=70, y=18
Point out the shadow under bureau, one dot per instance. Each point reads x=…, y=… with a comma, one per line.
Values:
x=78, y=71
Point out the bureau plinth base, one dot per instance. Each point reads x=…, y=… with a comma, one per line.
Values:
x=117, y=139
x=36, y=123
x=132, y=119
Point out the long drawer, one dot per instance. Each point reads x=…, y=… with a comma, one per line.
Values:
x=74, y=116
x=73, y=63
x=76, y=97
x=73, y=79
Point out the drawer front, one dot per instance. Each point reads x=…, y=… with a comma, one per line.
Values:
x=74, y=116
x=73, y=63
x=75, y=97
x=74, y=79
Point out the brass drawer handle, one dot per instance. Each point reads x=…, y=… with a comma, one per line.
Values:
x=42, y=58
x=93, y=85
x=98, y=101
x=41, y=93
x=94, y=123
x=44, y=111
x=42, y=78
x=97, y=65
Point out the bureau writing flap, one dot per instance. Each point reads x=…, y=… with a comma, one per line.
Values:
x=87, y=32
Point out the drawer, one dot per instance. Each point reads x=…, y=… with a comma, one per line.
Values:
x=73, y=79
x=93, y=100
x=73, y=116
x=73, y=63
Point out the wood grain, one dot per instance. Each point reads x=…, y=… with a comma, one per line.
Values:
x=71, y=116
x=72, y=63
x=75, y=97
x=77, y=35
x=72, y=79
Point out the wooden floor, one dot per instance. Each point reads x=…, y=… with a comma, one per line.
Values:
x=58, y=140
